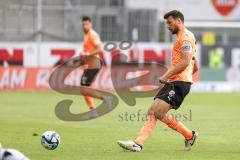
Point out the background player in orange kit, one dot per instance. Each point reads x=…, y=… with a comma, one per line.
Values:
x=92, y=49
x=177, y=79
x=92, y=63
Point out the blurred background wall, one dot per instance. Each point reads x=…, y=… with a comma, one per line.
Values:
x=37, y=33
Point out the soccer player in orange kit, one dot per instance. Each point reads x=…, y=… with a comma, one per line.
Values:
x=92, y=48
x=178, y=80
x=92, y=64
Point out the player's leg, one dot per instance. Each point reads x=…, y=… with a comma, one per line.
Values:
x=168, y=97
x=87, y=79
x=179, y=92
x=189, y=135
x=178, y=126
x=89, y=102
x=157, y=111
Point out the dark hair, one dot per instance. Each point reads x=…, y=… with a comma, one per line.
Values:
x=86, y=18
x=175, y=14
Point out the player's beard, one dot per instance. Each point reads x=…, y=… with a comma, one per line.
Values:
x=175, y=30
x=85, y=30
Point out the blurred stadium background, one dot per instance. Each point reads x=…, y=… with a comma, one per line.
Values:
x=36, y=35
x=42, y=33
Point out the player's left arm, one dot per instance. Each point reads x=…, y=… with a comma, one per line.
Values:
x=186, y=59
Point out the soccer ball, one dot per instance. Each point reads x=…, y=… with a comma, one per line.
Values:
x=50, y=140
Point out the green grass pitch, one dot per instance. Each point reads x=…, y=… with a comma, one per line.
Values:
x=214, y=116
